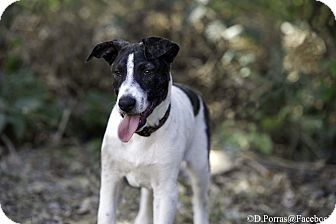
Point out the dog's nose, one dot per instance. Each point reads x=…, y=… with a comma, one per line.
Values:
x=126, y=103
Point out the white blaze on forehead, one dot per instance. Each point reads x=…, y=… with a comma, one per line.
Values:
x=130, y=67
x=131, y=87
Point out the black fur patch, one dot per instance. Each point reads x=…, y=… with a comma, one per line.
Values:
x=152, y=59
x=207, y=123
x=193, y=97
x=155, y=82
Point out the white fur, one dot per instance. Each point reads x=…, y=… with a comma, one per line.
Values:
x=153, y=162
x=132, y=88
x=4, y=219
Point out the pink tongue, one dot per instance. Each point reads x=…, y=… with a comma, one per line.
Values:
x=127, y=127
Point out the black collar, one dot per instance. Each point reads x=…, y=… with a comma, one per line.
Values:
x=147, y=131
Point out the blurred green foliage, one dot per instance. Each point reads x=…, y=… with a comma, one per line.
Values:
x=266, y=68
x=27, y=110
x=238, y=138
x=92, y=115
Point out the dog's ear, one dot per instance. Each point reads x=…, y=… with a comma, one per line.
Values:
x=108, y=50
x=157, y=47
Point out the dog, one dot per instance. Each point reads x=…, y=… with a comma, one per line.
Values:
x=154, y=126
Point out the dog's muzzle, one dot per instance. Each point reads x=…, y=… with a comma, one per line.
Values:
x=131, y=122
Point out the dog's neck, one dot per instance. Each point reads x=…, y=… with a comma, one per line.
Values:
x=160, y=111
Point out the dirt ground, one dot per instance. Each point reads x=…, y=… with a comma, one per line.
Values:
x=61, y=185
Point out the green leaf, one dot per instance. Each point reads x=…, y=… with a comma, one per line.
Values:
x=262, y=142
x=28, y=104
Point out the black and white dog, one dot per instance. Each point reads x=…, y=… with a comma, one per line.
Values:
x=152, y=129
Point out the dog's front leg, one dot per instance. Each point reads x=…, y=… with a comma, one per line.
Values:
x=165, y=202
x=109, y=194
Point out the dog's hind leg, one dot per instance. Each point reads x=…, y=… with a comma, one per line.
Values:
x=199, y=178
x=199, y=174
x=145, y=214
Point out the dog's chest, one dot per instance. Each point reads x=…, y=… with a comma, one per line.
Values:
x=137, y=163
x=140, y=177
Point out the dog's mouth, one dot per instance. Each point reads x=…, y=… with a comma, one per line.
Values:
x=133, y=122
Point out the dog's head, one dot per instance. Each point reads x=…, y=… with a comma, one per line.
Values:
x=141, y=75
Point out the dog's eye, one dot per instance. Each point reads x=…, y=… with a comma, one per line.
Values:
x=117, y=73
x=147, y=72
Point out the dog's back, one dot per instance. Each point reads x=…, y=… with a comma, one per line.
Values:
x=199, y=106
